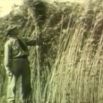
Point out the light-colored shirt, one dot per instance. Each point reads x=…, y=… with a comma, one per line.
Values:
x=13, y=50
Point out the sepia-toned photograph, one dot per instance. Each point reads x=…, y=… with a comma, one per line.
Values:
x=51, y=51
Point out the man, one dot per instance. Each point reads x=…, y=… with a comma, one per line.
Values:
x=16, y=65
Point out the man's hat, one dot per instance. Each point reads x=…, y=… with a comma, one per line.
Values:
x=11, y=29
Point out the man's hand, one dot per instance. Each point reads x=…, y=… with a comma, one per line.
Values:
x=8, y=72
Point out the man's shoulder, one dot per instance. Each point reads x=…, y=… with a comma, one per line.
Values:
x=10, y=41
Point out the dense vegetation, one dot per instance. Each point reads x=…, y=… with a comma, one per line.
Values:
x=67, y=66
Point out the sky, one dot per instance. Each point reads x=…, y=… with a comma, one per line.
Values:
x=6, y=5
x=66, y=0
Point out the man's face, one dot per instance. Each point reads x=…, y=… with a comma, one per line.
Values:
x=15, y=32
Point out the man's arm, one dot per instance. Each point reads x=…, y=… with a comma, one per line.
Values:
x=32, y=42
x=7, y=54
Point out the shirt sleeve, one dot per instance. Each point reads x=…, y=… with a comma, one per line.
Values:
x=30, y=42
x=7, y=55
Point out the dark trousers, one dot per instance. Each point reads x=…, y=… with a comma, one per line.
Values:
x=19, y=68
